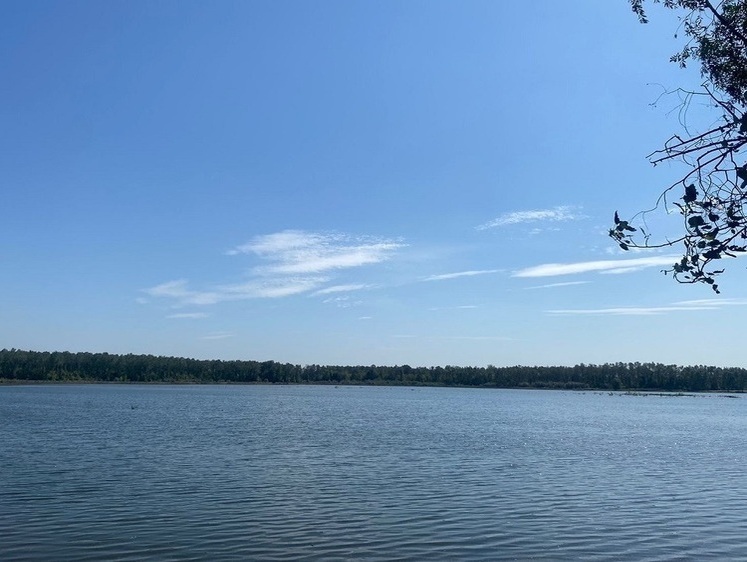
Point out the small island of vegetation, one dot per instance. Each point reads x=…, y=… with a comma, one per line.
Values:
x=18, y=366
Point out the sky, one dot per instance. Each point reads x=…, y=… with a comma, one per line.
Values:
x=345, y=182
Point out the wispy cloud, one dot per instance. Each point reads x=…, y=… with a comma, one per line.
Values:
x=295, y=262
x=460, y=307
x=342, y=302
x=271, y=288
x=471, y=273
x=179, y=291
x=555, y=214
x=682, y=306
x=341, y=289
x=188, y=315
x=551, y=285
x=298, y=252
x=716, y=302
x=626, y=310
x=616, y=266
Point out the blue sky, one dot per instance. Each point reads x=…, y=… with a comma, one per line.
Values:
x=339, y=182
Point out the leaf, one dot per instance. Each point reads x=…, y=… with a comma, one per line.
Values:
x=617, y=218
x=742, y=175
x=695, y=221
x=691, y=194
x=624, y=246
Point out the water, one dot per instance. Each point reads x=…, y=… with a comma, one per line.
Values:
x=368, y=473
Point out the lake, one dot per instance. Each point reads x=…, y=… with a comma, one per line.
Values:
x=91, y=472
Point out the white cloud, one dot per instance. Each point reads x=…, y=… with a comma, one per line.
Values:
x=461, y=274
x=342, y=302
x=551, y=285
x=628, y=310
x=622, y=270
x=176, y=289
x=299, y=252
x=272, y=288
x=292, y=258
x=341, y=289
x=263, y=288
x=616, y=266
x=460, y=307
x=179, y=291
x=556, y=214
x=681, y=306
x=713, y=302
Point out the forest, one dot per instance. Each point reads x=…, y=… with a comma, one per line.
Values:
x=18, y=366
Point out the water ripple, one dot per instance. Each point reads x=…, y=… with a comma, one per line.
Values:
x=318, y=473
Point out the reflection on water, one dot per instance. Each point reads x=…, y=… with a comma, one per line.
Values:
x=300, y=472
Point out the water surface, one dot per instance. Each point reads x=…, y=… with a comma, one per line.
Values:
x=368, y=473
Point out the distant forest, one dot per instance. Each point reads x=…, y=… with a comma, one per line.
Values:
x=33, y=366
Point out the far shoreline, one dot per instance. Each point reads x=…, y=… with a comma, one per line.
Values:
x=642, y=392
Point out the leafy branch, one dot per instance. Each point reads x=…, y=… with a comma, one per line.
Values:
x=714, y=188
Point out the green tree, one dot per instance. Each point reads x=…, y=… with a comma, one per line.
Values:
x=712, y=194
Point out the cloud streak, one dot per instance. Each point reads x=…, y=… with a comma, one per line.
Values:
x=458, y=274
x=293, y=252
x=341, y=289
x=682, y=306
x=188, y=315
x=565, y=284
x=295, y=262
x=602, y=266
x=555, y=214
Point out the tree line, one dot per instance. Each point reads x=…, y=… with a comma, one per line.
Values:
x=34, y=366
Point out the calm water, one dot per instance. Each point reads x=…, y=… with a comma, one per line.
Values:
x=349, y=473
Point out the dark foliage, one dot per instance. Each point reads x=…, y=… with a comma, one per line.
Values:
x=711, y=195
x=24, y=366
